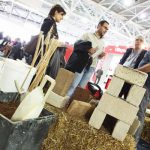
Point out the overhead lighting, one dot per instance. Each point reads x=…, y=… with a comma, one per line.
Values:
x=143, y=16
x=85, y=20
x=127, y=3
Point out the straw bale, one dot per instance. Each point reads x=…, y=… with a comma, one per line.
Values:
x=146, y=130
x=71, y=133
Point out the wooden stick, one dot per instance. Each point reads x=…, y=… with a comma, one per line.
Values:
x=42, y=47
x=50, y=47
x=47, y=42
x=44, y=63
x=40, y=41
x=48, y=38
x=37, y=49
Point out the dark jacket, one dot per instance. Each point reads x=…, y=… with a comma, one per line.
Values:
x=127, y=54
x=126, y=87
x=146, y=60
x=80, y=57
x=16, y=52
x=56, y=62
x=46, y=26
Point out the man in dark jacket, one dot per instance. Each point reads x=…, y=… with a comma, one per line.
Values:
x=80, y=58
x=132, y=58
x=16, y=51
x=145, y=67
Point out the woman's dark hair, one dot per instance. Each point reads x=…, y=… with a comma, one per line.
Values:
x=57, y=8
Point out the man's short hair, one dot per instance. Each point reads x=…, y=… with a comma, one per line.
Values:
x=57, y=8
x=102, y=22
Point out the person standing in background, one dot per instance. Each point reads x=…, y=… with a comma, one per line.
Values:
x=81, y=78
x=1, y=35
x=131, y=58
x=55, y=15
x=99, y=73
x=97, y=40
x=145, y=67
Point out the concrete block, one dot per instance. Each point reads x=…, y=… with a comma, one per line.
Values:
x=134, y=126
x=57, y=100
x=63, y=82
x=81, y=94
x=78, y=108
x=97, y=119
x=115, y=86
x=131, y=75
x=117, y=108
x=135, y=95
x=148, y=112
x=120, y=131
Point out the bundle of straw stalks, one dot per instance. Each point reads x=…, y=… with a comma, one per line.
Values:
x=44, y=50
x=146, y=130
x=71, y=133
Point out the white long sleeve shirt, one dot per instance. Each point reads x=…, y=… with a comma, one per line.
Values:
x=96, y=42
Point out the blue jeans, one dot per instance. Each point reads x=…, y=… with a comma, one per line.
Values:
x=80, y=79
x=141, y=114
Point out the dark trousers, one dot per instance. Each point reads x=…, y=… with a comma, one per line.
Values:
x=125, y=90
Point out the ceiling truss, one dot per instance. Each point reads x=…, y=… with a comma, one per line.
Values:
x=83, y=16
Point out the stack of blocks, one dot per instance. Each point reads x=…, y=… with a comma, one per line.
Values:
x=124, y=111
x=57, y=97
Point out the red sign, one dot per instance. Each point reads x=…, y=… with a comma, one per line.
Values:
x=69, y=51
x=115, y=49
x=108, y=49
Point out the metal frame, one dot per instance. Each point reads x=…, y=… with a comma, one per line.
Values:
x=83, y=16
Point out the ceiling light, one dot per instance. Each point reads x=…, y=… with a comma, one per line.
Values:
x=143, y=16
x=127, y=3
x=85, y=20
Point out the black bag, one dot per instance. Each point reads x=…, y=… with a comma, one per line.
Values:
x=57, y=61
x=95, y=90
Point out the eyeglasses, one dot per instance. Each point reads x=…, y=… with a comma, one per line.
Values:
x=105, y=27
x=139, y=40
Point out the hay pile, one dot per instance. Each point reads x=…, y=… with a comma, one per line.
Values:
x=146, y=130
x=71, y=133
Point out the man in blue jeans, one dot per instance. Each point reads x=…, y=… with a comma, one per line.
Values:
x=81, y=78
x=145, y=67
x=79, y=60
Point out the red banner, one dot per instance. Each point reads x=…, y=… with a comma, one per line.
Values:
x=69, y=51
x=108, y=49
x=115, y=49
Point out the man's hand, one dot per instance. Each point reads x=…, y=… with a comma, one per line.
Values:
x=101, y=55
x=61, y=44
x=92, y=50
x=145, y=68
